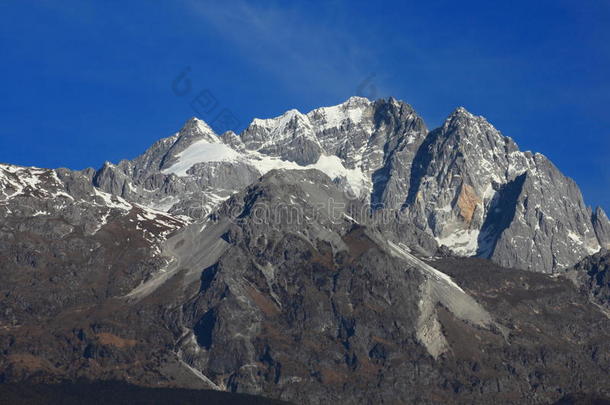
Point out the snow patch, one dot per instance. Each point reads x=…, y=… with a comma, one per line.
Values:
x=118, y=202
x=333, y=117
x=329, y=165
x=165, y=204
x=462, y=242
x=575, y=237
x=201, y=152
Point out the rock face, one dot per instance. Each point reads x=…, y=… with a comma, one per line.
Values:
x=288, y=290
x=601, y=224
x=313, y=258
x=464, y=184
x=57, y=232
x=146, y=181
x=592, y=275
x=478, y=194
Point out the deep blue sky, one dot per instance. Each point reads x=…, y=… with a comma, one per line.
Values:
x=84, y=82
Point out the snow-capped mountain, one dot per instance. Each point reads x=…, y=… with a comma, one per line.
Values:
x=465, y=184
x=61, y=202
x=300, y=260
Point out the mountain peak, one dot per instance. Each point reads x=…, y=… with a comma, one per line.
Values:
x=461, y=112
x=280, y=120
x=197, y=128
x=466, y=123
x=357, y=100
x=468, y=177
x=334, y=116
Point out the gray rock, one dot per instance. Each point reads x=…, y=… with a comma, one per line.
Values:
x=328, y=309
x=601, y=224
x=464, y=184
x=475, y=192
x=592, y=276
x=290, y=288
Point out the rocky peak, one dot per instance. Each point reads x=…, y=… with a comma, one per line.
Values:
x=357, y=101
x=289, y=136
x=465, y=184
x=399, y=124
x=478, y=194
x=196, y=129
x=459, y=119
x=304, y=202
x=461, y=113
x=391, y=150
x=274, y=129
x=601, y=224
x=349, y=112
x=233, y=140
x=468, y=128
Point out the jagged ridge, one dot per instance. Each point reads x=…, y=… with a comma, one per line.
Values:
x=465, y=184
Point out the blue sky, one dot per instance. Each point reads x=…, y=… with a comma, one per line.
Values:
x=84, y=82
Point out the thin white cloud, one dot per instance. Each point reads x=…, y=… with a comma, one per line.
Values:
x=303, y=49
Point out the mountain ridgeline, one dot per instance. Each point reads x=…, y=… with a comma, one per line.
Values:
x=464, y=184
x=346, y=255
